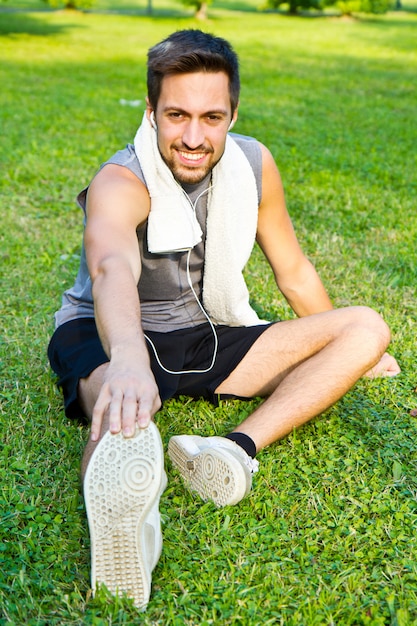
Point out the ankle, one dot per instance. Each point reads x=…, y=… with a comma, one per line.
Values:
x=244, y=441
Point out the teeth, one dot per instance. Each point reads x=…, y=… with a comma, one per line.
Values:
x=192, y=156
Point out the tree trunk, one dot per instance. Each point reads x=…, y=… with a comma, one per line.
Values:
x=293, y=7
x=201, y=13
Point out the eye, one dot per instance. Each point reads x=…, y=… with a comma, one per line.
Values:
x=175, y=115
x=214, y=117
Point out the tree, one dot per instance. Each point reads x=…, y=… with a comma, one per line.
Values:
x=200, y=7
x=346, y=7
x=70, y=4
x=294, y=6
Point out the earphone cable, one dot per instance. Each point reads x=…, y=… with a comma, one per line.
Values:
x=190, y=283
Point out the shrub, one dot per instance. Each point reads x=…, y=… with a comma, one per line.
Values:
x=70, y=4
x=346, y=7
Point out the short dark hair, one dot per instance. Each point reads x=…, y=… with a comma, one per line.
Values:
x=187, y=51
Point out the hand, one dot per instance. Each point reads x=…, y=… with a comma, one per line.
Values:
x=130, y=396
x=386, y=366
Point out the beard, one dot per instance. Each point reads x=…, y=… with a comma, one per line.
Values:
x=189, y=175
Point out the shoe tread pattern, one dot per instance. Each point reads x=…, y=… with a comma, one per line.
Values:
x=123, y=480
x=214, y=475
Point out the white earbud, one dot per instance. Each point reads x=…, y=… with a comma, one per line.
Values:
x=152, y=120
x=232, y=123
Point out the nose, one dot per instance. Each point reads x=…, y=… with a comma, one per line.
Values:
x=193, y=134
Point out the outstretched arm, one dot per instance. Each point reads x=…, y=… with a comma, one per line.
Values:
x=117, y=203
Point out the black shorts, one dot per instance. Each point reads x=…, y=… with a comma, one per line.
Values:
x=75, y=350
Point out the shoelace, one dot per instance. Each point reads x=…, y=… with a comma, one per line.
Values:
x=253, y=464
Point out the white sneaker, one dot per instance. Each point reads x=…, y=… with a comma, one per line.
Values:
x=216, y=467
x=122, y=487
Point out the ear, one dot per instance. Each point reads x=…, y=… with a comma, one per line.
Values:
x=149, y=109
x=234, y=118
x=150, y=114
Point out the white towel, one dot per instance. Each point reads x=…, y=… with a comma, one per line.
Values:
x=232, y=214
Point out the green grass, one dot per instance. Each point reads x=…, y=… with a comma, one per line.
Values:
x=328, y=534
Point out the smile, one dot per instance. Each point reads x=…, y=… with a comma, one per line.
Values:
x=192, y=156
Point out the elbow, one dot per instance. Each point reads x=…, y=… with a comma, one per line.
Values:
x=112, y=269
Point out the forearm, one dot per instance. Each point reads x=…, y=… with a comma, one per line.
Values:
x=304, y=291
x=129, y=392
x=117, y=313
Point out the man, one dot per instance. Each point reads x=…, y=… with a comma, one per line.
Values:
x=160, y=308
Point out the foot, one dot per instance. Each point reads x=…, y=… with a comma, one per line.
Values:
x=122, y=487
x=217, y=468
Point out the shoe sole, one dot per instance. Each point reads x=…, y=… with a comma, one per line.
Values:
x=214, y=475
x=122, y=483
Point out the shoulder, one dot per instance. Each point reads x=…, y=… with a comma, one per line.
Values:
x=256, y=152
x=263, y=164
x=249, y=145
x=252, y=149
x=126, y=158
x=116, y=194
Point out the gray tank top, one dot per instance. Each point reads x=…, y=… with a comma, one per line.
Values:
x=170, y=285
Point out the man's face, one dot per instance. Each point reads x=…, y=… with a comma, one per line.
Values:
x=193, y=115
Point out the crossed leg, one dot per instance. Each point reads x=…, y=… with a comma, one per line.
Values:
x=304, y=366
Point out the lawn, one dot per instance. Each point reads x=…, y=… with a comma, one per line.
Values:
x=328, y=533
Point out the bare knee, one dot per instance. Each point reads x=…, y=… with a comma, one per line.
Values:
x=370, y=325
x=89, y=388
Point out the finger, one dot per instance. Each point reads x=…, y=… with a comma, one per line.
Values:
x=129, y=411
x=115, y=412
x=97, y=417
x=148, y=406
